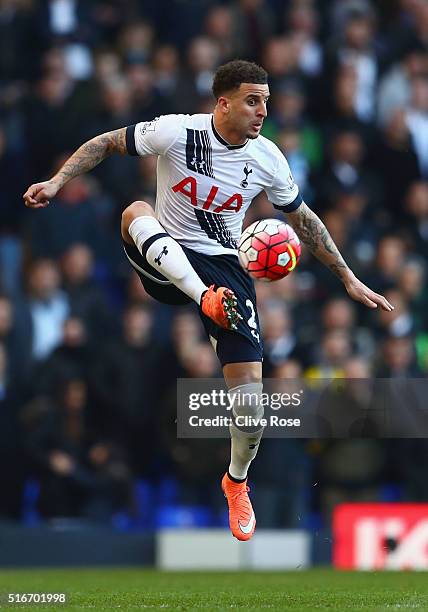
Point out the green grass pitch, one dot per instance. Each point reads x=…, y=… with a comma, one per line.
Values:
x=141, y=589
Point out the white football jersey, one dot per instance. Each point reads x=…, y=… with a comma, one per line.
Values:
x=204, y=184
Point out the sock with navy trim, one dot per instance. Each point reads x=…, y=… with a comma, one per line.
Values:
x=165, y=255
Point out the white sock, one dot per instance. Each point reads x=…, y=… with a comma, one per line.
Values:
x=167, y=256
x=244, y=447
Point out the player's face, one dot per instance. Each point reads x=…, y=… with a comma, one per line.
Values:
x=248, y=109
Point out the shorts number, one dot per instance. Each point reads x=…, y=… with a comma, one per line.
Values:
x=252, y=320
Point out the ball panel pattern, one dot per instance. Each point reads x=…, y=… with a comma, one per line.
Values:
x=269, y=249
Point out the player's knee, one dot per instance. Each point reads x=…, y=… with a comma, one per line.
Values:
x=247, y=406
x=134, y=210
x=237, y=374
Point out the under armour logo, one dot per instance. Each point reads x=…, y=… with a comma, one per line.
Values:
x=197, y=164
x=247, y=172
x=161, y=254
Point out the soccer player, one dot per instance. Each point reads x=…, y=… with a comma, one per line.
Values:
x=210, y=167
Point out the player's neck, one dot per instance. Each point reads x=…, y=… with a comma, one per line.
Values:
x=227, y=133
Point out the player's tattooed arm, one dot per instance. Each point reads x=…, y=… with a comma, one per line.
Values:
x=314, y=234
x=89, y=155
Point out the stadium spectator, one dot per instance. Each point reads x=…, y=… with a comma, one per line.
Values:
x=283, y=499
x=349, y=470
x=419, y=12
x=135, y=42
x=123, y=383
x=302, y=22
x=278, y=335
x=281, y=59
x=390, y=257
x=185, y=334
x=166, y=76
x=107, y=68
x=339, y=113
x=252, y=24
x=142, y=90
x=340, y=314
x=12, y=337
x=398, y=358
x=356, y=49
x=190, y=15
x=288, y=104
x=345, y=170
x=83, y=210
x=12, y=167
x=51, y=120
x=412, y=285
x=46, y=308
x=218, y=27
x=334, y=349
x=193, y=461
x=417, y=121
x=402, y=322
x=20, y=46
x=395, y=86
x=203, y=56
x=79, y=476
x=87, y=300
x=416, y=206
x=13, y=472
x=394, y=155
x=71, y=359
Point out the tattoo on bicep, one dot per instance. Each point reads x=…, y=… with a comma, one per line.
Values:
x=117, y=141
x=91, y=153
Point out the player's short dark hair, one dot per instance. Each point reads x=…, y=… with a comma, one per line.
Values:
x=230, y=76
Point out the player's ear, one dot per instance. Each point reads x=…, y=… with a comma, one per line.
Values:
x=224, y=104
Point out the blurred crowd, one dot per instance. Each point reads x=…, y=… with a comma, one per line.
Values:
x=89, y=362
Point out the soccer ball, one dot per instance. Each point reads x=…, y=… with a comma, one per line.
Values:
x=269, y=249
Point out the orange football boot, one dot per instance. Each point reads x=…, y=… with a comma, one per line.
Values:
x=242, y=520
x=220, y=306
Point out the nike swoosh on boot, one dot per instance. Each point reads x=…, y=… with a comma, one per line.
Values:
x=249, y=526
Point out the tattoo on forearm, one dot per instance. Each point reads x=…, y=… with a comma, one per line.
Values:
x=91, y=153
x=312, y=232
x=338, y=269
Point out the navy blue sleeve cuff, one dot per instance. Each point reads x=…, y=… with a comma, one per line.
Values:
x=290, y=207
x=130, y=140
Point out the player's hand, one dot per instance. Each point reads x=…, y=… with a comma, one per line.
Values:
x=40, y=194
x=361, y=293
